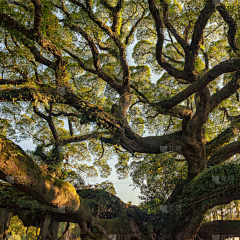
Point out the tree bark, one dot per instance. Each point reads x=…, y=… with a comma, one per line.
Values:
x=5, y=218
x=194, y=197
x=225, y=229
x=49, y=230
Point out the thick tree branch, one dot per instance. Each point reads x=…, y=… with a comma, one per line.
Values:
x=14, y=82
x=198, y=196
x=223, y=67
x=230, y=88
x=224, y=153
x=222, y=138
x=29, y=178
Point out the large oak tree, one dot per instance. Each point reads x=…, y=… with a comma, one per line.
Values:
x=67, y=60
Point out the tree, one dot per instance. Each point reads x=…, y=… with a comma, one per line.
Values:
x=68, y=60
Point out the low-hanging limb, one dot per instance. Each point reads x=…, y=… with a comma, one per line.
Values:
x=112, y=210
x=26, y=176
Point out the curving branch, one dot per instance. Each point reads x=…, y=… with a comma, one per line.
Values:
x=232, y=27
x=221, y=68
x=199, y=27
x=134, y=27
x=159, y=47
x=198, y=196
x=171, y=28
x=51, y=194
x=29, y=178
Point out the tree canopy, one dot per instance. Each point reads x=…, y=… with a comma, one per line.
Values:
x=171, y=117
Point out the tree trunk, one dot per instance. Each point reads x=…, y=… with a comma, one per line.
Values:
x=49, y=230
x=5, y=218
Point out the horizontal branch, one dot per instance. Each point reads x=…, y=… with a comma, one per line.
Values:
x=224, y=153
x=80, y=138
x=221, y=139
x=230, y=88
x=14, y=82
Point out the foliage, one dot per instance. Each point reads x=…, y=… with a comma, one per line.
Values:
x=168, y=113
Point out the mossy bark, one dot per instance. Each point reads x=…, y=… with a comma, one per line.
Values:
x=31, y=188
